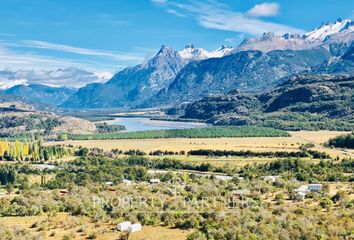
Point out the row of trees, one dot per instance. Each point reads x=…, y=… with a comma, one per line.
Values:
x=34, y=151
x=18, y=150
x=248, y=153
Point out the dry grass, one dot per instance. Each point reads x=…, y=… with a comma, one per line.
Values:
x=255, y=144
x=159, y=233
x=80, y=228
x=186, y=144
x=319, y=138
x=59, y=226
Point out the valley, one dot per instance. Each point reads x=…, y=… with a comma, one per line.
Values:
x=254, y=141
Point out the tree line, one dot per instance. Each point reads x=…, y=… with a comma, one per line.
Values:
x=343, y=141
x=30, y=151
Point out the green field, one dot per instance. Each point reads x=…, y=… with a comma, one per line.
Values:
x=208, y=132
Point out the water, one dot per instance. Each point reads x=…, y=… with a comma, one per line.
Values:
x=143, y=124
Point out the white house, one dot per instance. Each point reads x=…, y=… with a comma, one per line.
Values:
x=155, y=181
x=124, y=226
x=109, y=183
x=127, y=182
x=271, y=178
x=309, y=188
x=134, y=228
x=241, y=192
x=223, y=177
x=315, y=187
x=303, y=188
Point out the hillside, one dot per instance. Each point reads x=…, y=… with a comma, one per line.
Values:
x=37, y=93
x=245, y=70
x=302, y=102
x=21, y=119
x=134, y=85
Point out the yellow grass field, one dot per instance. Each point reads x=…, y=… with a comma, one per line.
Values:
x=255, y=143
x=159, y=233
x=64, y=226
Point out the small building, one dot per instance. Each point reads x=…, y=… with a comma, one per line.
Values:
x=134, y=228
x=300, y=196
x=271, y=178
x=109, y=183
x=155, y=181
x=127, y=182
x=315, y=187
x=309, y=188
x=124, y=226
x=241, y=192
x=303, y=188
x=223, y=177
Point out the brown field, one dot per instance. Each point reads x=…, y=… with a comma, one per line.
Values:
x=59, y=226
x=255, y=144
x=159, y=233
x=319, y=138
x=79, y=228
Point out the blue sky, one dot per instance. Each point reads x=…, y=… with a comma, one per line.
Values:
x=105, y=36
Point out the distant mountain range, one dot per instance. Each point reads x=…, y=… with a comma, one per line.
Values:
x=133, y=86
x=37, y=93
x=172, y=77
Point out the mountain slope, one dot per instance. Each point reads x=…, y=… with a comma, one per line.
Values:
x=21, y=119
x=132, y=85
x=246, y=70
x=40, y=93
x=303, y=102
x=175, y=76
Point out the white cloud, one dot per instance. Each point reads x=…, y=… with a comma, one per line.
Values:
x=5, y=83
x=69, y=77
x=215, y=15
x=264, y=10
x=159, y=1
x=174, y=12
x=7, y=34
x=235, y=40
x=120, y=56
x=14, y=59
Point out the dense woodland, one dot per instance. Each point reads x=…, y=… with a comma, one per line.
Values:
x=343, y=141
x=209, y=132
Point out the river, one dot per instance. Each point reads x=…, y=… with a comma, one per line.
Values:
x=133, y=124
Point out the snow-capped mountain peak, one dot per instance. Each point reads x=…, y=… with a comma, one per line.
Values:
x=270, y=42
x=324, y=31
x=191, y=53
x=220, y=52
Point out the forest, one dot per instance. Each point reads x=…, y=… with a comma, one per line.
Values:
x=209, y=132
